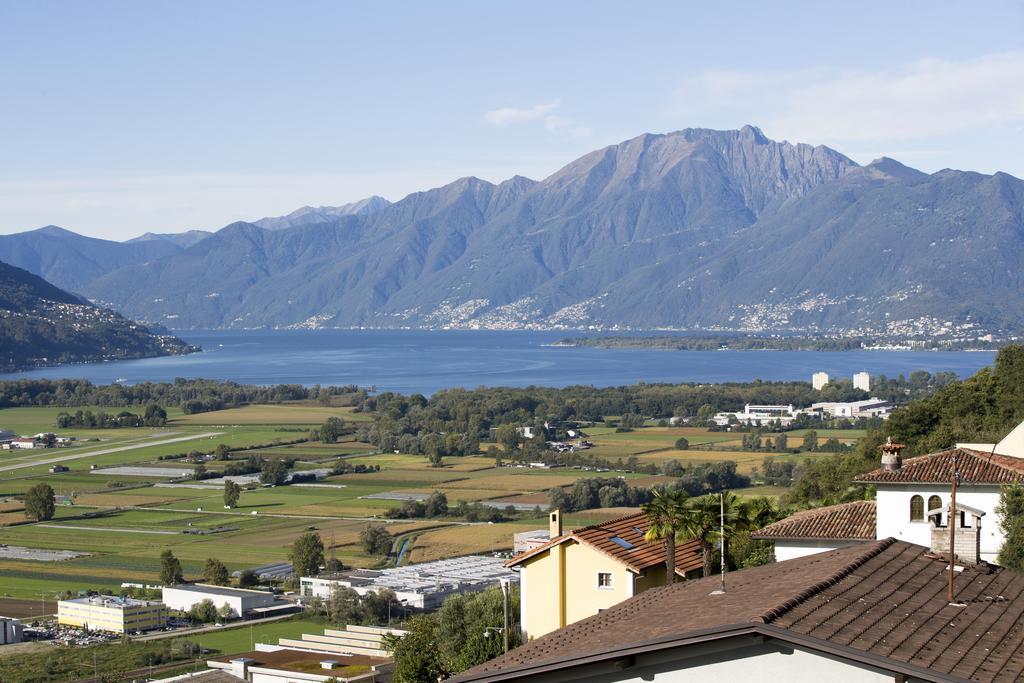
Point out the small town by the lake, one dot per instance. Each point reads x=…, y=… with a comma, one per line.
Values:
x=533, y=342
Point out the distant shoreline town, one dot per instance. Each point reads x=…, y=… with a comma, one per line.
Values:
x=744, y=342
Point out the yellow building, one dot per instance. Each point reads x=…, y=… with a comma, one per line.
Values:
x=577, y=574
x=110, y=613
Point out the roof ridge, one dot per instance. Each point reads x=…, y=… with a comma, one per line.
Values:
x=801, y=597
x=607, y=522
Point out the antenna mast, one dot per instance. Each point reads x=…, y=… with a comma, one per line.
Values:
x=952, y=529
x=721, y=544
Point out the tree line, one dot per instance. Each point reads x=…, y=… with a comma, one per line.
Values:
x=980, y=409
x=191, y=395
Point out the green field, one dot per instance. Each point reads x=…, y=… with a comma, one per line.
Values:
x=235, y=640
x=125, y=522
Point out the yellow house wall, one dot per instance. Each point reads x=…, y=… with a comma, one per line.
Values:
x=98, y=618
x=583, y=597
x=559, y=587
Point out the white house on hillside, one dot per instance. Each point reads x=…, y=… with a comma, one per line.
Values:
x=912, y=500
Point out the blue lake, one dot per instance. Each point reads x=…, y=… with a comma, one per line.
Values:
x=425, y=361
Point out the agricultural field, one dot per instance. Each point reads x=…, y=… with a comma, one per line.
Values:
x=123, y=519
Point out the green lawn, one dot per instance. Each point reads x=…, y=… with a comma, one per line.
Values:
x=229, y=641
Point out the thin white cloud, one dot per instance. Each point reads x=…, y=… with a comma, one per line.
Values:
x=926, y=98
x=538, y=113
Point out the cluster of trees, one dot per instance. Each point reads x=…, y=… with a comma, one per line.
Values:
x=191, y=395
x=981, y=409
x=1011, y=522
x=345, y=467
x=465, y=632
x=346, y=606
x=676, y=517
x=436, y=505
x=330, y=431
x=206, y=612
x=154, y=416
x=40, y=503
x=375, y=539
x=601, y=492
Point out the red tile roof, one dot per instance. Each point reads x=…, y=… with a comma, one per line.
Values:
x=883, y=602
x=975, y=467
x=854, y=521
x=630, y=529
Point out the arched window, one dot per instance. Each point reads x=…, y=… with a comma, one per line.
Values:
x=916, y=509
x=934, y=503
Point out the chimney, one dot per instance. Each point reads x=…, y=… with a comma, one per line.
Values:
x=555, y=525
x=240, y=667
x=891, y=460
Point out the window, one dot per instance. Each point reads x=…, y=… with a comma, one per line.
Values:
x=916, y=509
x=621, y=542
x=604, y=579
x=934, y=503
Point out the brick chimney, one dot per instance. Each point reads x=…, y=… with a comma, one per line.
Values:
x=891, y=460
x=968, y=532
x=555, y=524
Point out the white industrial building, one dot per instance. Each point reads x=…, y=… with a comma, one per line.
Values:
x=184, y=596
x=758, y=415
x=872, y=407
x=419, y=586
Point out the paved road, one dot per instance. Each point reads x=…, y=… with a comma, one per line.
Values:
x=157, y=635
x=108, y=528
x=106, y=451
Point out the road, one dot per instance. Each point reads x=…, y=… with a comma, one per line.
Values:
x=106, y=451
x=107, y=528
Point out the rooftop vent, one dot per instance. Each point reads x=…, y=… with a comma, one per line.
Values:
x=328, y=664
x=891, y=460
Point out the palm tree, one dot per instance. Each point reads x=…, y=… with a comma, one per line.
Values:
x=701, y=521
x=666, y=514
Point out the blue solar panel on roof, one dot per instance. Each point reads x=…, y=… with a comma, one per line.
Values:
x=622, y=542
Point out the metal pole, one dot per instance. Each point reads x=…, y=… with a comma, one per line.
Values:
x=952, y=531
x=721, y=531
x=504, y=601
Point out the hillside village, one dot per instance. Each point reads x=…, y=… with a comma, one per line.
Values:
x=645, y=591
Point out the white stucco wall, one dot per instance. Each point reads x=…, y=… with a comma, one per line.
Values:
x=768, y=663
x=893, y=502
x=791, y=549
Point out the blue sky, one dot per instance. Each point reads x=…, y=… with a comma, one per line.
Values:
x=120, y=118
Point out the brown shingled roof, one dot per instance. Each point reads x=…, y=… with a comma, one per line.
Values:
x=630, y=530
x=854, y=521
x=975, y=467
x=881, y=602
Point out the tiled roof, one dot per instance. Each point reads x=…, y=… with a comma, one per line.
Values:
x=854, y=521
x=633, y=551
x=975, y=467
x=884, y=600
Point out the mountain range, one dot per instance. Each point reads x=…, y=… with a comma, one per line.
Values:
x=696, y=229
x=41, y=324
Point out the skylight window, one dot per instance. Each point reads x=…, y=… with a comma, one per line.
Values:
x=622, y=542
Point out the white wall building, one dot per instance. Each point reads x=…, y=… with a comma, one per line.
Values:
x=862, y=381
x=758, y=415
x=183, y=596
x=420, y=586
x=906, y=492
x=872, y=407
x=819, y=380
